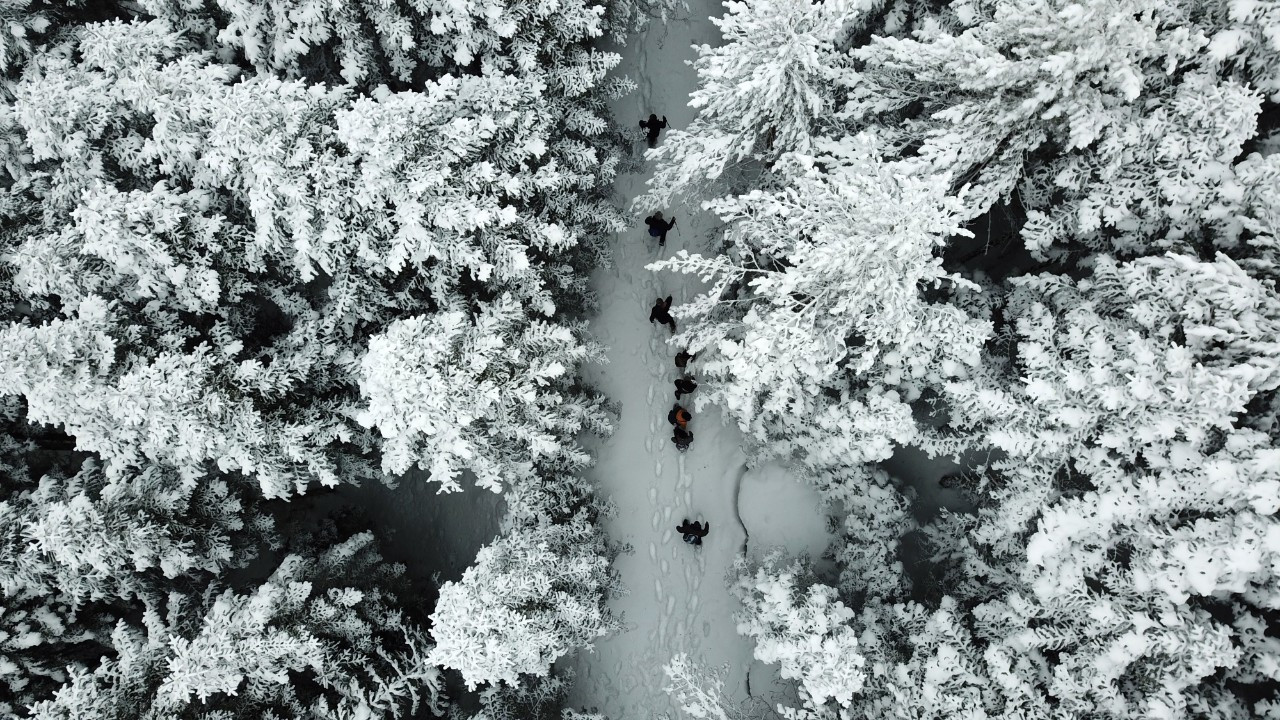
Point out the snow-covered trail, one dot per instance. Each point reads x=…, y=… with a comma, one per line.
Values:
x=678, y=600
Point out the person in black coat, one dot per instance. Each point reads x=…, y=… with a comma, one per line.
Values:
x=661, y=313
x=683, y=358
x=653, y=124
x=684, y=386
x=658, y=227
x=681, y=437
x=679, y=416
x=693, y=532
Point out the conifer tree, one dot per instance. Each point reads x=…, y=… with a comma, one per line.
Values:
x=768, y=89
x=816, y=328
x=327, y=616
x=801, y=625
x=533, y=595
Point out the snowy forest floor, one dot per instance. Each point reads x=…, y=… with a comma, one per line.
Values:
x=678, y=599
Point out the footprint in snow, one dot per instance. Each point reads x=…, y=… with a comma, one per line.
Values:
x=664, y=565
x=693, y=603
x=653, y=496
x=671, y=605
x=653, y=554
x=657, y=519
x=666, y=513
x=688, y=498
x=666, y=536
x=657, y=588
x=706, y=629
x=649, y=396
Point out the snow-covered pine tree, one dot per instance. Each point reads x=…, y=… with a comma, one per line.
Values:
x=817, y=329
x=38, y=634
x=927, y=662
x=767, y=89
x=166, y=408
x=86, y=538
x=874, y=514
x=366, y=42
x=1115, y=124
x=1246, y=219
x=533, y=595
x=547, y=44
x=78, y=553
x=321, y=638
x=158, y=294
x=801, y=625
x=535, y=698
x=1128, y=523
x=491, y=393
x=700, y=692
x=27, y=24
x=536, y=593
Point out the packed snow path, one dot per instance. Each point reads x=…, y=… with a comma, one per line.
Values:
x=678, y=600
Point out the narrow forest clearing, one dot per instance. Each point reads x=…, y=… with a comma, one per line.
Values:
x=678, y=600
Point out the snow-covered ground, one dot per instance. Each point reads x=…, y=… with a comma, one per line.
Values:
x=678, y=601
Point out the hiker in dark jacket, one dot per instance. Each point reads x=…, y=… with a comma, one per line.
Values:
x=658, y=227
x=683, y=358
x=679, y=417
x=684, y=386
x=661, y=313
x=653, y=124
x=681, y=438
x=693, y=532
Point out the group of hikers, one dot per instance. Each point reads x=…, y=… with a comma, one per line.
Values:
x=658, y=226
x=679, y=417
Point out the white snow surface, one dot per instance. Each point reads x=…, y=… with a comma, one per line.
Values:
x=678, y=599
